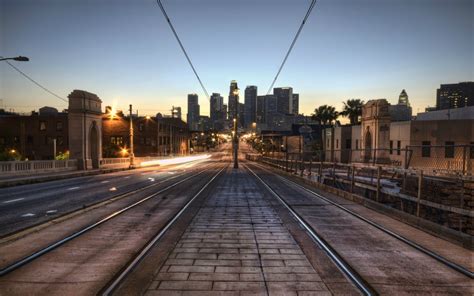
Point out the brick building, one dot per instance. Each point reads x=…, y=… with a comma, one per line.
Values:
x=153, y=136
x=34, y=136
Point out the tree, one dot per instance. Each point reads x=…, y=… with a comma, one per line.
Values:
x=353, y=110
x=325, y=114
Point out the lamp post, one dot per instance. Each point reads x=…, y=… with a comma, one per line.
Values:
x=132, y=156
x=235, y=136
x=18, y=59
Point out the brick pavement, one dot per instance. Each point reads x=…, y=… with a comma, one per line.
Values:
x=237, y=245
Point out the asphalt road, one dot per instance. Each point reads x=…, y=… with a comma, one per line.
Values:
x=28, y=205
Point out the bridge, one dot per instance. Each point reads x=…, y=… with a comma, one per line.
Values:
x=199, y=226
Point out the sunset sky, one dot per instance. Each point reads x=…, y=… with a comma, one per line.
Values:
x=124, y=51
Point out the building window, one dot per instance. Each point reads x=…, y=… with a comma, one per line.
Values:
x=399, y=146
x=337, y=143
x=391, y=147
x=148, y=141
x=426, y=149
x=357, y=144
x=116, y=140
x=42, y=125
x=16, y=140
x=29, y=139
x=2, y=141
x=449, y=149
x=59, y=141
x=471, y=150
x=348, y=143
x=141, y=127
x=142, y=140
x=59, y=125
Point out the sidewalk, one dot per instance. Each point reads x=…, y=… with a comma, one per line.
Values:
x=11, y=180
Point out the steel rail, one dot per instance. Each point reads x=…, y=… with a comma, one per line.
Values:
x=459, y=268
x=353, y=275
x=110, y=288
x=27, y=259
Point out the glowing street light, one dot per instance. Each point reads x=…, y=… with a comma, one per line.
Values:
x=13, y=151
x=148, y=117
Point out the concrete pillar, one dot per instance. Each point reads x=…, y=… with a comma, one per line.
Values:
x=85, y=129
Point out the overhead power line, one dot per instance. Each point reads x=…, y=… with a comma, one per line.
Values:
x=311, y=6
x=182, y=47
x=35, y=82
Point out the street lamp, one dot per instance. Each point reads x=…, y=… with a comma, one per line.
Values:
x=132, y=156
x=234, y=132
x=18, y=59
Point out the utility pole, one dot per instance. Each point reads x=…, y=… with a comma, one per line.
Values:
x=236, y=138
x=132, y=156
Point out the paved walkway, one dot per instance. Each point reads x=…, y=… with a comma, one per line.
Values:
x=237, y=245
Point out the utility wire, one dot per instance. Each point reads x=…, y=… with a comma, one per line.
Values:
x=37, y=83
x=311, y=6
x=182, y=47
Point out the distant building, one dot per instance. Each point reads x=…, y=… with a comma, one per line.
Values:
x=33, y=135
x=250, y=109
x=458, y=95
x=218, y=111
x=233, y=100
x=401, y=111
x=447, y=114
x=260, y=117
x=204, y=123
x=296, y=104
x=284, y=97
x=176, y=112
x=193, y=111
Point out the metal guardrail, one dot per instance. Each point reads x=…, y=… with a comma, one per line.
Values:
x=446, y=200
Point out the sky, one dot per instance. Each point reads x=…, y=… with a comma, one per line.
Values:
x=125, y=52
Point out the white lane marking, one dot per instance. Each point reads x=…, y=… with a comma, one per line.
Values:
x=51, y=211
x=126, y=177
x=171, y=173
x=73, y=188
x=13, y=200
x=103, y=182
x=112, y=189
x=28, y=215
x=151, y=179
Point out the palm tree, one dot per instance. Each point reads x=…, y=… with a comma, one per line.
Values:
x=325, y=114
x=353, y=109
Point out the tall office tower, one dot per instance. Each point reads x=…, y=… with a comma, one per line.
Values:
x=457, y=95
x=217, y=105
x=193, y=111
x=284, y=97
x=250, y=109
x=296, y=104
x=233, y=100
x=271, y=106
x=260, y=118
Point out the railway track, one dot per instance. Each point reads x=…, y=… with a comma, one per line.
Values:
x=457, y=267
x=181, y=185
x=345, y=266
x=115, y=283
x=364, y=287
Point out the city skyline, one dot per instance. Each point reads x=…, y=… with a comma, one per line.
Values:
x=411, y=46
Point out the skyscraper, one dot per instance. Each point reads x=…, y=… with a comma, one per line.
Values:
x=250, y=109
x=456, y=95
x=284, y=97
x=260, y=109
x=296, y=104
x=217, y=105
x=218, y=112
x=233, y=100
x=193, y=111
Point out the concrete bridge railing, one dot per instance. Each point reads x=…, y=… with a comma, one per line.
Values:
x=34, y=166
